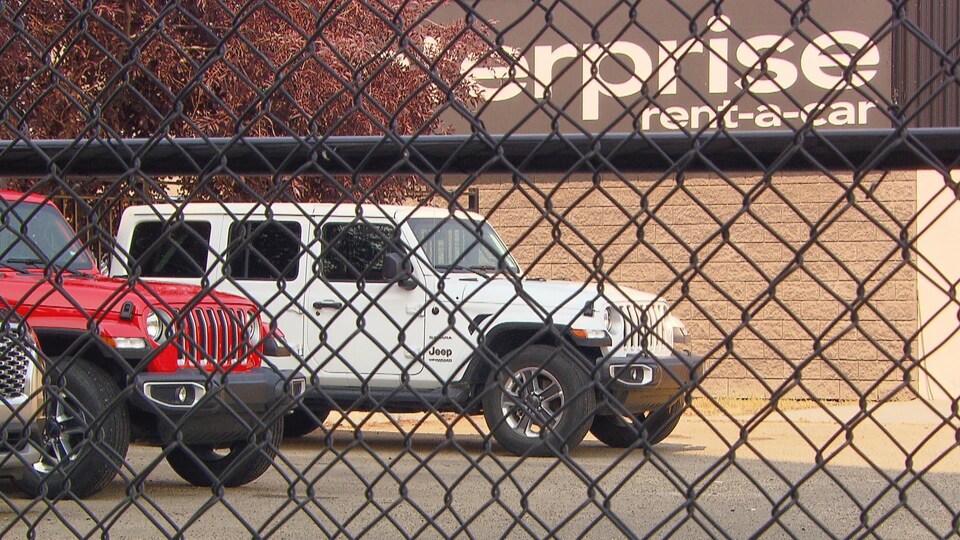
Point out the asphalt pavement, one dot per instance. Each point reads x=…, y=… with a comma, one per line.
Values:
x=890, y=470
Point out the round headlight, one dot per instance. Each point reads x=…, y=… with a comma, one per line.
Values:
x=158, y=322
x=253, y=329
x=610, y=319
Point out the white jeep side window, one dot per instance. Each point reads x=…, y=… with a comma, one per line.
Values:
x=355, y=251
x=264, y=250
x=159, y=249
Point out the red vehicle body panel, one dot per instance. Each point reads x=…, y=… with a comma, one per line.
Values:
x=66, y=300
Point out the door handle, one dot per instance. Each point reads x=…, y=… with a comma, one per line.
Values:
x=331, y=304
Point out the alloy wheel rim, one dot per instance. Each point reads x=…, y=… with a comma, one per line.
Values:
x=63, y=431
x=532, y=401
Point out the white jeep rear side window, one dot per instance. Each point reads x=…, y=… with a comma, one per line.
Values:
x=265, y=250
x=177, y=250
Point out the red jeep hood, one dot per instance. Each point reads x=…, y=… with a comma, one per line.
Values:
x=96, y=296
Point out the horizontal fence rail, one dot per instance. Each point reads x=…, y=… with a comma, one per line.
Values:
x=928, y=148
x=345, y=268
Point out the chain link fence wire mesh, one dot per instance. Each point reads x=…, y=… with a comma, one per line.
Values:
x=471, y=269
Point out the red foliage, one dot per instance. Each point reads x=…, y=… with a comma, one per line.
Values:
x=224, y=68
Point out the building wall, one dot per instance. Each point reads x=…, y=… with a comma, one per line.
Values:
x=799, y=292
x=938, y=219
x=924, y=85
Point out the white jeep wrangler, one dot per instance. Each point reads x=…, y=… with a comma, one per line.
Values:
x=403, y=309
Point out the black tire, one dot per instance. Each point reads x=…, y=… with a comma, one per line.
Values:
x=303, y=421
x=527, y=423
x=619, y=432
x=233, y=465
x=81, y=399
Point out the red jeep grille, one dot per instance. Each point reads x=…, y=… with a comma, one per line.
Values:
x=214, y=335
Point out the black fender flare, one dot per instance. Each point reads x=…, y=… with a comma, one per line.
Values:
x=73, y=343
x=489, y=351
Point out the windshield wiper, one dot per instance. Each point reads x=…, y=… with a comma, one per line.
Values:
x=476, y=269
x=17, y=269
x=40, y=263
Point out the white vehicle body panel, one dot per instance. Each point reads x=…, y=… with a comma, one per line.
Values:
x=347, y=333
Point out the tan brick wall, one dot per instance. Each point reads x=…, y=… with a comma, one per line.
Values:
x=725, y=241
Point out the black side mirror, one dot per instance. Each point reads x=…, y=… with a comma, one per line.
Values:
x=398, y=270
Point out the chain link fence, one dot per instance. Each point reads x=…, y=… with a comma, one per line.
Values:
x=550, y=269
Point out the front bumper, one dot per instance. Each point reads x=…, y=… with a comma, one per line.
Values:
x=213, y=408
x=636, y=384
x=17, y=452
x=21, y=420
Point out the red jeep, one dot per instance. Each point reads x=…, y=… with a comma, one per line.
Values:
x=126, y=360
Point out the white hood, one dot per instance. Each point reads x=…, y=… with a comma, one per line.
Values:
x=553, y=297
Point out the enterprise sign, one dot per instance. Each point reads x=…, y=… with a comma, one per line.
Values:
x=669, y=66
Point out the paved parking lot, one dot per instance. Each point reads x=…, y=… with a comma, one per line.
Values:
x=895, y=472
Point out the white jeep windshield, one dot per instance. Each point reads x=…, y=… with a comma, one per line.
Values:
x=455, y=243
x=36, y=236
